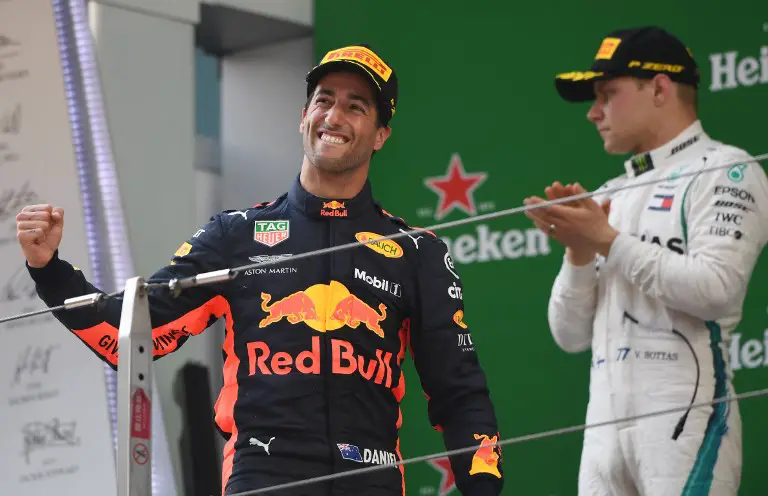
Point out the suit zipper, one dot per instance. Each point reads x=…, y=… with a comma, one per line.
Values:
x=327, y=365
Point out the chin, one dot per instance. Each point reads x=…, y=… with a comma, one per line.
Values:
x=322, y=154
x=614, y=148
x=332, y=165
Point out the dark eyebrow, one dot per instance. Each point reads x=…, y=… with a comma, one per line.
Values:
x=360, y=98
x=352, y=96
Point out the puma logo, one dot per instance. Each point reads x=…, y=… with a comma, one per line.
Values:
x=415, y=240
x=240, y=212
x=256, y=442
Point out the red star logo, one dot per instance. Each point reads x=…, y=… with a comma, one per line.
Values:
x=455, y=188
x=447, y=480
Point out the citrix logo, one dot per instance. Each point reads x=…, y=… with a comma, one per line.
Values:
x=729, y=73
x=454, y=291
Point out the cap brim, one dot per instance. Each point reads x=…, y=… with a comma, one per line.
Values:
x=318, y=72
x=578, y=86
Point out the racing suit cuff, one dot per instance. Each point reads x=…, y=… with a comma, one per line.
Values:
x=621, y=248
x=576, y=276
x=53, y=274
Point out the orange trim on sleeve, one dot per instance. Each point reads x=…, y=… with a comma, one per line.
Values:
x=103, y=338
x=399, y=390
x=225, y=404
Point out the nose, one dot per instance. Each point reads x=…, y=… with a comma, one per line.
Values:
x=595, y=112
x=333, y=118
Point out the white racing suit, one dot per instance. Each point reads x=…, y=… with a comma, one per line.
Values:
x=658, y=314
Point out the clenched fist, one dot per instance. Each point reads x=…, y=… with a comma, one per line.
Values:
x=39, y=229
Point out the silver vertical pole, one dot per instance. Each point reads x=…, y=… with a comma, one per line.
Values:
x=134, y=393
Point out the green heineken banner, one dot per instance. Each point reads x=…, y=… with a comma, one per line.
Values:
x=479, y=127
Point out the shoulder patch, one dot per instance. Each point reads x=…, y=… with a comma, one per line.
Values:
x=232, y=213
x=245, y=213
x=401, y=222
x=263, y=204
x=183, y=250
x=736, y=173
x=740, y=164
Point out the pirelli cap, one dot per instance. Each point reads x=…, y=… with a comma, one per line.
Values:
x=362, y=60
x=639, y=52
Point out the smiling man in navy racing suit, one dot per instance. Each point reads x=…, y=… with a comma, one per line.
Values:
x=314, y=346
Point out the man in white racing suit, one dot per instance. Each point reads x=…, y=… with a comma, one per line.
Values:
x=655, y=276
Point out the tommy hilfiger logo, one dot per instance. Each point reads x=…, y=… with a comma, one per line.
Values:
x=662, y=203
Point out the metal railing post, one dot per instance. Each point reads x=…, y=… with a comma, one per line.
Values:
x=134, y=393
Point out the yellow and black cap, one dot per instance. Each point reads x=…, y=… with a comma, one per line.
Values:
x=362, y=60
x=638, y=52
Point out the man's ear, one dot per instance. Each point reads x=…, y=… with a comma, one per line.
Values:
x=382, y=134
x=303, y=120
x=662, y=89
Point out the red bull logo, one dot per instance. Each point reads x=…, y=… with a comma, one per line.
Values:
x=486, y=459
x=353, y=311
x=324, y=308
x=333, y=205
x=297, y=307
x=344, y=361
x=335, y=209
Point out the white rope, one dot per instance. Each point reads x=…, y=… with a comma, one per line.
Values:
x=227, y=274
x=514, y=440
x=222, y=275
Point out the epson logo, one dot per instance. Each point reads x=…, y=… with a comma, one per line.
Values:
x=741, y=194
x=728, y=71
x=377, y=283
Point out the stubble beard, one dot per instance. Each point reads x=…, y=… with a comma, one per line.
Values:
x=350, y=161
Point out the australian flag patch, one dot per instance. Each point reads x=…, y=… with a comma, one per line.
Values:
x=350, y=452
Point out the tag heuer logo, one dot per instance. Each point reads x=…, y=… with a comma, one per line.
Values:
x=271, y=232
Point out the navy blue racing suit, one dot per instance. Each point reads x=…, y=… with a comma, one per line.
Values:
x=314, y=346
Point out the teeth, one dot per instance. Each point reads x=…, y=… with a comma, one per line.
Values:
x=332, y=139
